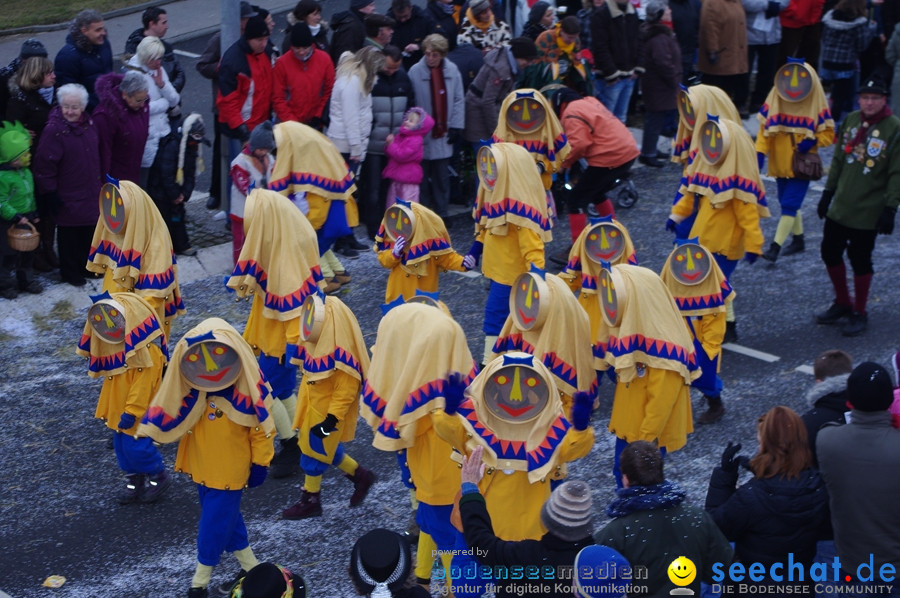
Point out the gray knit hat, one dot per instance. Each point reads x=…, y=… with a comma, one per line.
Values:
x=568, y=513
x=262, y=137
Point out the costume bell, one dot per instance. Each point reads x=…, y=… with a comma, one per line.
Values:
x=414, y=244
x=334, y=363
x=133, y=250
x=511, y=227
x=794, y=118
x=644, y=339
x=701, y=293
x=398, y=401
x=118, y=339
x=216, y=401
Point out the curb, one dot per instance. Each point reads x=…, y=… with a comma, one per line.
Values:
x=107, y=15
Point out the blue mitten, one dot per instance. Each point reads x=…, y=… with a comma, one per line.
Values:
x=671, y=225
x=475, y=250
x=582, y=404
x=454, y=393
x=258, y=475
x=760, y=160
x=126, y=421
x=807, y=144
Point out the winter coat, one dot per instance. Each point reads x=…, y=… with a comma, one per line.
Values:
x=801, y=13
x=493, y=83
x=163, y=186
x=302, y=89
x=892, y=55
x=122, y=132
x=7, y=74
x=596, y=135
x=29, y=108
x=80, y=61
x=498, y=34
x=16, y=193
x=411, y=31
x=767, y=518
x=653, y=527
x=392, y=96
x=169, y=61
x=442, y=22
x=860, y=463
x=351, y=115
x=420, y=75
x=723, y=30
x=843, y=40
x=756, y=14
x=532, y=30
x=828, y=403
x=405, y=153
x=348, y=33
x=67, y=163
x=469, y=60
x=320, y=38
x=160, y=99
x=661, y=59
x=550, y=551
x=686, y=23
x=615, y=34
x=245, y=87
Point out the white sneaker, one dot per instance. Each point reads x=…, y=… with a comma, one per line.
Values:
x=220, y=215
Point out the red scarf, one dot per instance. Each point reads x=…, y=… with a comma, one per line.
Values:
x=865, y=123
x=438, y=101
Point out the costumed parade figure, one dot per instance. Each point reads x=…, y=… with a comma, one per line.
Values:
x=278, y=268
x=701, y=292
x=725, y=193
x=118, y=340
x=511, y=227
x=133, y=250
x=415, y=349
x=645, y=340
x=527, y=119
x=795, y=118
x=334, y=361
x=216, y=400
x=513, y=410
x=414, y=244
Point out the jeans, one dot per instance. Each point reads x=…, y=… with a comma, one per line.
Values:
x=615, y=96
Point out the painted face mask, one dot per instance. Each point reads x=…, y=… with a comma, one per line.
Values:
x=107, y=318
x=611, y=295
x=312, y=318
x=714, y=141
x=529, y=301
x=516, y=393
x=605, y=242
x=793, y=82
x=690, y=264
x=399, y=221
x=425, y=300
x=487, y=167
x=210, y=365
x=686, y=109
x=113, y=209
x=525, y=115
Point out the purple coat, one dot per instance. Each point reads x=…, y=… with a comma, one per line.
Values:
x=123, y=132
x=406, y=152
x=67, y=162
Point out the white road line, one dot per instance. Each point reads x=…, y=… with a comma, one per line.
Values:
x=186, y=54
x=768, y=357
x=469, y=274
x=805, y=369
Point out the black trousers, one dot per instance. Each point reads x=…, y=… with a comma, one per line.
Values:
x=74, y=247
x=859, y=245
x=593, y=185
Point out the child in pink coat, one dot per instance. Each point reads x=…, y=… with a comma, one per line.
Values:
x=405, y=151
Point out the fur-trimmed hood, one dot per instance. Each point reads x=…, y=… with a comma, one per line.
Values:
x=834, y=385
x=833, y=19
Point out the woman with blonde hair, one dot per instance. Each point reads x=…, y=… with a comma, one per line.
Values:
x=784, y=509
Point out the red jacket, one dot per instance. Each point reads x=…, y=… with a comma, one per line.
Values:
x=596, y=135
x=245, y=86
x=302, y=89
x=801, y=13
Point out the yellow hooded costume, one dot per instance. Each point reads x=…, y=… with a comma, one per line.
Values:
x=133, y=250
x=694, y=103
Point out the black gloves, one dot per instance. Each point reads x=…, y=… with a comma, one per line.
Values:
x=454, y=135
x=772, y=9
x=326, y=427
x=242, y=134
x=827, y=195
x=885, y=224
x=731, y=460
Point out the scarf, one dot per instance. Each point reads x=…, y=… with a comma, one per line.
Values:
x=478, y=24
x=438, y=101
x=864, y=125
x=645, y=498
x=563, y=47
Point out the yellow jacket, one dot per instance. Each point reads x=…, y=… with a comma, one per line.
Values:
x=730, y=228
x=656, y=406
x=268, y=335
x=402, y=282
x=130, y=392
x=780, y=150
x=338, y=394
x=435, y=474
x=507, y=256
x=709, y=330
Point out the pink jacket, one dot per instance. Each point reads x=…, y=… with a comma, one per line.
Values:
x=405, y=153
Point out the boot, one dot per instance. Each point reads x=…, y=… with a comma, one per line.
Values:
x=133, y=488
x=856, y=324
x=714, y=413
x=157, y=484
x=834, y=313
x=771, y=253
x=731, y=335
x=198, y=593
x=797, y=245
x=29, y=286
x=287, y=462
x=309, y=505
x=362, y=481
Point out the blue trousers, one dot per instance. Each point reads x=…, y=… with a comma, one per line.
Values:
x=313, y=467
x=137, y=455
x=790, y=195
x=281, y=374
x=221, y=526
x=496, y=309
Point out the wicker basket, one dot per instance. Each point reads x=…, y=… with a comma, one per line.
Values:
x=23, y=239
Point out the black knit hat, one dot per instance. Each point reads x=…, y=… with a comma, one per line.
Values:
x=256, y=28
x=568, y=513
x=380, y=556
x=301, y=37
x=537, y=11
x=32, y=47
x=869, y=387
x=523, y=47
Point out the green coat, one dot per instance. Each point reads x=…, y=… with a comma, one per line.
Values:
x=16, y=193
x=865, y=179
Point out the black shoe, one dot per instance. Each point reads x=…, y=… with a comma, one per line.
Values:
x=9, y=292
x=345, y=251
x=715, y=412
x=855, y=325
x=353, y=243
x=226, y=587
x=287, y=462
x=833, y=314
x=771, y=254
x=730, y=332
x=198, y=593
x=212, y=202
x=664, y=156
x=797, y=245
x=650, y=161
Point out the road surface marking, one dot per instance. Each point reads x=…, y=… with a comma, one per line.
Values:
x=751, y=352
x=186, y=54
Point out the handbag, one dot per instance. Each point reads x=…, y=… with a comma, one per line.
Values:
x=806, y=167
